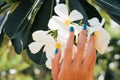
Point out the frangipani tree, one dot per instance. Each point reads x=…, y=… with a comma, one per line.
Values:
x=20, y=18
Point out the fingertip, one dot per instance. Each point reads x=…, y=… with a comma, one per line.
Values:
x=71, y=29
x=56, y=63
x=56, y=51
x=84, y=27
x=71, y=35
x=57, y=54
x=84, y=31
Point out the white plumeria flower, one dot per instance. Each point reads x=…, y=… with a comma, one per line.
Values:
x=64, y=20
x=42, y=38
x=48, y=63
x=102, y=37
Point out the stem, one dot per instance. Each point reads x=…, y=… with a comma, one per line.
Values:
x=52, y=7
x=67, y=3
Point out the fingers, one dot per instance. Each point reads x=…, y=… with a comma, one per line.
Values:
x=92, y=68
x=91, y=54
x=89, y=61
x=69, y=47
x=80, y=46
x=56, y=64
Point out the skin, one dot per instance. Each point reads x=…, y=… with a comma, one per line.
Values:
x=79, y=68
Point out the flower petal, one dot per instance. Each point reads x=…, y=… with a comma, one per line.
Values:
x=39, y=35
x=49, y=40
x=64, y=34
x=50, y=51
x=75, y=15
x=61, y=10
x=44, y=37
x=91, y=30
x=55, y=23
x=94, y=22
x=102, y=39
x=49, y=63
x=35, y=47
x=95, y=25
x=77, y=29
x=62, y=40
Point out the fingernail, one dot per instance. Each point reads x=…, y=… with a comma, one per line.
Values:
x=56, y=50
x=71, y=29
x=92, y=34
x=84, y=27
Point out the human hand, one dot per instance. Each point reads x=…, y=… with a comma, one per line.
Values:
x=79, y=68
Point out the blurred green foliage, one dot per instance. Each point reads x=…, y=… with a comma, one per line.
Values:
x=20, y=67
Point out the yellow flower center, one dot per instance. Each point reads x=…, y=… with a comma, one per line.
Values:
x=67, y=22
x=58, y=45
x=96, y=33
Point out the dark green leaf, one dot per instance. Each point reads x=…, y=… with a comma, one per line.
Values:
x=112, y=7
x=13, y=0
x=43, y=59
x=115, y=18
x=40, y=23
x=18, y=44
x=2, y=18
x=23, y=37
x=32, y=12
x=75, y=4
x=17, y=18
x=36, y=57
x=2, y=3
x=90, y=10
x=1, y=38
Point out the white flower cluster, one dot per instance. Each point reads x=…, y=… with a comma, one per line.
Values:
x=62, y=22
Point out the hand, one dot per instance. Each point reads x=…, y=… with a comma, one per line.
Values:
x=79, y=68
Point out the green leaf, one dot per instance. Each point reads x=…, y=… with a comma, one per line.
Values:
x=115, y=18
x=43, y=59
x=2, y=18
x=2, y=3
x=20, y=42
x=40, y=23
x=27, y=18
x=112, y=7
x=75, y=4
x=15, y=19
x=26, y=58
x=1, y=38
x=90, y=10
x=35, y=57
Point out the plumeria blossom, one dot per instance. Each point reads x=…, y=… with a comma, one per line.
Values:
x=102, y=37
x=62, y=23
x=64, y=20
x=42, y=38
